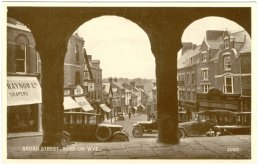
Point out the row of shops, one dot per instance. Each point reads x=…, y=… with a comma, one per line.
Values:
x=187, y=110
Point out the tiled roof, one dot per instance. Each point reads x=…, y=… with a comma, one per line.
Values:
x=215, y=56
x=239, y=36
x=246, y=48
x=214, y=44
x=136, y=89
x=127, y=86
x=133, y=95
x=183, y=60
x=142, y=90
x=117, y=84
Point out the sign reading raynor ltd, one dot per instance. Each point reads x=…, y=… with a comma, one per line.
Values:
x=22, y=90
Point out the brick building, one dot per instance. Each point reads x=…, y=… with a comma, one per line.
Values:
x=95, y=87
x=215, y=74
x=23, y=88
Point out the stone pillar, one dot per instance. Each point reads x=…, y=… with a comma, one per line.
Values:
x=52, y=62
x=166, y=79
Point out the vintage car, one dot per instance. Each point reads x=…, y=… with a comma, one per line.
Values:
x=241, y=125
x=81, y=126
x=215, y=123
x=144, y=127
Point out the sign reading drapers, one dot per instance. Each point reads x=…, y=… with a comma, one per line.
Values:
x=23, y=90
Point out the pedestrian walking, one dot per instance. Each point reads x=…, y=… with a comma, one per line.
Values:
x=129, y=115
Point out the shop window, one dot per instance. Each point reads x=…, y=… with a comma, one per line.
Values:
x=227, y=63
x=228, y=84
x=20, y=58
x=23, y=118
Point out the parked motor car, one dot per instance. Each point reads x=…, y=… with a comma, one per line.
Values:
x=215, y=123
x=81, y=126
x=120, y=116
x=241, y=125
x=142, y=127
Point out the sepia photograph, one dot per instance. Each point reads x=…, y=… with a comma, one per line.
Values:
x=156, y=81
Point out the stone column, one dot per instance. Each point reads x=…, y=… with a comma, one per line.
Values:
x=165, y=50
x=52, y=62
x=167, y=100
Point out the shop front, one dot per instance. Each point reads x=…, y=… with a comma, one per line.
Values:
x=106, y=111
x=23, y=104
x=82, y=101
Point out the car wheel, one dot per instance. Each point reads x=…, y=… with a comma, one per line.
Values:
x=65, y=140
x=103, y=133
x=137, y=132
x=181, y=133
x=119, y=138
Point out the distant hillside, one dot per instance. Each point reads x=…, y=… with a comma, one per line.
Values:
x=147, y=83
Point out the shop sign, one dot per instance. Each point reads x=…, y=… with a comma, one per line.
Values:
x=23, y=90
x=78, y=90
x=90, y=87
x=67, y=92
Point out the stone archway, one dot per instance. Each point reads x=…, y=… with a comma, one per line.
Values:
x=52, y=27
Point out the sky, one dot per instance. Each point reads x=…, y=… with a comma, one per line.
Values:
x=123, y=48
x=196, y=31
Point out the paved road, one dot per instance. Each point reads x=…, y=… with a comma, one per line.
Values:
x=128, y=126
x=218, y=147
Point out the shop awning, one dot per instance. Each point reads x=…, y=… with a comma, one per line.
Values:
x=142, y=106
x=69, y=103
x=82, y=101
x=105, y=108
x=23, y=90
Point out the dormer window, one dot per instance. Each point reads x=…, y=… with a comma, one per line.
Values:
x=226, y=42
x=227, y=63
x=204, y=56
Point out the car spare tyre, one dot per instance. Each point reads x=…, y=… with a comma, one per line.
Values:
x=103, y=133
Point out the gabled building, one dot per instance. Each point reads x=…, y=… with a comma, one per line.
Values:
x=216, y=74
x=187, y=80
